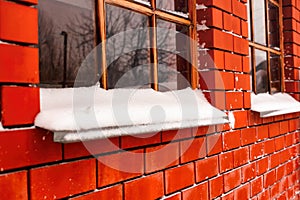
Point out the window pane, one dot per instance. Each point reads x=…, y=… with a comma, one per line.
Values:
x=259, y=21
x=76, y=20
x=127, y=58
x=275, y=65
x=173, y=52
x=274, y=26
x=179, y=6
x=261, y=71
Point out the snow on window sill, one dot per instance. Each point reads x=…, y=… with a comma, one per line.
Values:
x=80, y=114
x=272, y=105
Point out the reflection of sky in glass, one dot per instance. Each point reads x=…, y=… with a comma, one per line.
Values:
x=259, y=21
x=80, y=3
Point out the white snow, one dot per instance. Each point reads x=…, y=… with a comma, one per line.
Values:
x=181, y=14
x=200, y=7
x=271, y=105
x=147, y=3
x=231, y=119
x=75, y=114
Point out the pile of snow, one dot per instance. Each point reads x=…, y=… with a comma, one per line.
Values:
x=97, y=113
x=271, y=105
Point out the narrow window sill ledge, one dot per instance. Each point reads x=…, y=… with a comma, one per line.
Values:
x=82, y=114
x=272, y=105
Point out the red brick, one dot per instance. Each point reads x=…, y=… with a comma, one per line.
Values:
x=114, y=192
x=248, y=172
x=248, y=136
x=269, y=146
x=232, y=179
x=239, y=9
x=21, y=148
x=226, y=161
x=234, y=100
x=269, y=178
x=93, y=147
x=150, y=187
x=274, y=160
x=119, y=167
x=256, y=186
x=265, y=195
x=284, y=127
x=18, y=23
x=18, y=64
x=280, y=172
x=179, y=178
x=214, y=144
x=279, y=143
x=242, y=81
x=274, y=129
x=289, y=140
x=140, y=140
x=174, y=197
x=228, y=196
x=14, y=185
x=63, y=180
x=20, y=105
x=211, y=59
x=172, y=135
x=262, y=132
x=206, y=168
x=256, y=151
x=233, y=62
x=231, y=140
x=198, y=192
x=216, y=98
x=160, y=157
x=242, y=192
x=240, y=156
x=254, y=118
x=236, y=25
x=214, y=38
x=246, y=64
x=227, y=21
x=241, y=118
x=216, y=187
x=240, y=45
x=192, y=149
x=223, y=4
x=244, y=27
x=216, y=80
x=211, y=17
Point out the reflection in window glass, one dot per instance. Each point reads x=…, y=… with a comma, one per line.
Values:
x=173, y=5
x=173, y=52
x=76, y=19
x=261, y=71
x=274, y=26
x=275, y=66
x=259, y=19
x=124, y=67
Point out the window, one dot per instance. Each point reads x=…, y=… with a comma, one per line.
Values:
x=70, y=29
x=266, y=45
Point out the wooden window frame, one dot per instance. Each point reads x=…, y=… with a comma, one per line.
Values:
x=266, y=48
x=153, y=13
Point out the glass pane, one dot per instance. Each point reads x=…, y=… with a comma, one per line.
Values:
x=250, y=64
x=66, y=37
x=261, y=71
x=259, y=21
x=173, y=52
x=275, y=66
x=127, y=54
x=179, y=7
x=274, y=37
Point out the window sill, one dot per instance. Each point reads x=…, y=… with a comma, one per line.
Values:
x=83, y=114
x=272, y=105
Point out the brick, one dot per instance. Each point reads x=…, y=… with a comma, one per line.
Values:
x=264, y=195
x=256, y=151
x=254, y=118
x=151, y=186
x=233, y=62
x=119, y=167
x=211, y=59
x=240, y=45
x=140, y=140
x=232, y=179
x=216, y=98
x=279, y=143
x=248, y=172
x=216, y=187
x=192, y=149
x=216, y=80
x=274, y=160
x=223, y=4
x=179, y=178
x=236, y=25
x=206, y=168
x=14, y=185
x=256, y=186
x=262, y=132
x=93, y=147
x=214, y=144
x=284, y=127
x=174, y=197
x=63, y=180
x=227, y=21
x=248, y=136
x=242, y=192
x=228, y=196
x=239, y=9
x=114, y=192
x=269, y=146
x=246, y=64
x=27, y=148
x=240, y=156
x=160, y=157
x=280, y=172
x=198, y=192
x=18, y=64
x=211, y=17
x=242, y=81
x=173, y=135
x=18, y=23
x=269, y=178
x=19, y=105
x=244, y=28
x=241, y=118
x=214, y=38
x=226, y=161
x=231, y=140
x=247, y=99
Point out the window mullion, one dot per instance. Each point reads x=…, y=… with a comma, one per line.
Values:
x=253, y=62
x=269, y=71
x=267, y=23
x=281, y=46
x=153, y=50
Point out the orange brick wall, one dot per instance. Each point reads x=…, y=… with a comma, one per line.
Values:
x=257, y=159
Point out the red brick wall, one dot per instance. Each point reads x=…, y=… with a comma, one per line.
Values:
x=257, y=159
